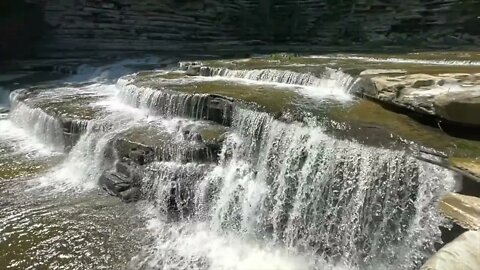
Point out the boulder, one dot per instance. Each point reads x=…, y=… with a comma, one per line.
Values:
x=193, y=70
x=462, y=107
x=114, y=183
x=452, y=96
x=461, y=254
x=463, y=210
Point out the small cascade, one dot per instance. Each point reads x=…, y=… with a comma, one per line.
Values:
x=333, y=82
x=4, y=93
x=162, y=101
x=86, y=160
x=45, y=127
x=171, y=186
x=240, y=189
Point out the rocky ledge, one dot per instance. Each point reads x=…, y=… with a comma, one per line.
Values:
x=461, y=254
x=132, y=151
x=454, y=97
x=463, y=210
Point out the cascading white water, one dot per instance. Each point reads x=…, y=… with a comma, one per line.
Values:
x=282, y=196
x=161, y=101
x=4, y=93
x=43, y=126
x=333, y=83
x=295, y=187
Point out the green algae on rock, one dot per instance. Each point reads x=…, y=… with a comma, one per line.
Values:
x=13, y=167
x=371, y=113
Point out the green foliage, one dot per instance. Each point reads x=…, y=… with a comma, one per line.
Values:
x=283, y=56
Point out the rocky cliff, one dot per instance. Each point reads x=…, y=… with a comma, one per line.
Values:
x=211, y=24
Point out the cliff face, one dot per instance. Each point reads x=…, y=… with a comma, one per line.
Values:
x=136, y=25
x=209, y=24
x=20, y=25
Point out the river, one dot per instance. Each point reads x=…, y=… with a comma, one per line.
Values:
x=276, y=192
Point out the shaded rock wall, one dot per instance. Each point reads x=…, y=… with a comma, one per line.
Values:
x=21, y=24
x=137, y=25
x=200, y=24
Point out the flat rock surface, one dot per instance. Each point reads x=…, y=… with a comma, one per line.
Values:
x=451, y=96
x=461, y=254
x=464, y=210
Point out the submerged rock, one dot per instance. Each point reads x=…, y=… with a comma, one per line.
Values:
x=114, y=183
x=131, y=195
x=461, y=254
x=464, y=210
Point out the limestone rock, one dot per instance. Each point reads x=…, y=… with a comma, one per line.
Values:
x=461, y=254
x=371, y=72
x=469, y=165
x=128, y=25
x=454, y=96
x=464, y=210
x=131, y=195
x=461, y=107
x=193, y=70
x=114, y=182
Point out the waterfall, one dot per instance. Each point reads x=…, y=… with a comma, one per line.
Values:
x=331, y=76
x=296, y=187
x=170, y=185
x=277, y=196
x=161, y=101
x=331, y=84
x=45, y=127
x=3, y=97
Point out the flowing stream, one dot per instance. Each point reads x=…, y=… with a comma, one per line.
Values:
x=275, y=195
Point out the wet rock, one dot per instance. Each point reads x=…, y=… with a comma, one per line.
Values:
x=134, y=151
x=143, y=145
x=453, y=96
x=471, y=166
x=376, y=72
x=131, y=195
x=193, y=70
x=461, y=107
x=185, y=65
x=114, y=183
x=461, y=254
x=220, y=110
x=4, y=110
x=463, y=210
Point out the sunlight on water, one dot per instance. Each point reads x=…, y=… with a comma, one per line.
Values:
x=278, y=196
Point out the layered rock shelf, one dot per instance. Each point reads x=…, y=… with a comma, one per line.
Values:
x=232, y=25
x=451, y=96
x=461, y=254
x=156, y=135
x=464, y=210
